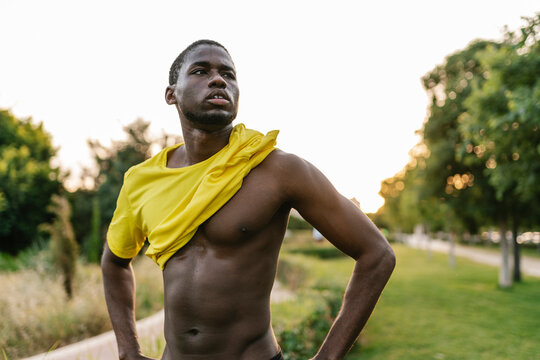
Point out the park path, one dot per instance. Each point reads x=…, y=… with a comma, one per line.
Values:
x=103, y=347
x=529, y=266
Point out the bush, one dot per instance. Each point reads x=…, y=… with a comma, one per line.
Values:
x=302, y=340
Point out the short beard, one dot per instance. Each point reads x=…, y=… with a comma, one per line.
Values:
x=210, y=119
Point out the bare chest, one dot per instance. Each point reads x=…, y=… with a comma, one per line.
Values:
x=257, y=206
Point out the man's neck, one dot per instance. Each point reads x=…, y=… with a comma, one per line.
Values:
x=201, y=144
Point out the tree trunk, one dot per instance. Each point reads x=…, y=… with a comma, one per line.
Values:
x=517, y=252
x=505, y=280
x=452, y=250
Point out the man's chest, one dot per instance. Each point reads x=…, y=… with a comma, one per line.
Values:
x=253, y=208
x=249, y=209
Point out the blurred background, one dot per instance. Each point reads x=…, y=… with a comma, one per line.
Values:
x=426, y=113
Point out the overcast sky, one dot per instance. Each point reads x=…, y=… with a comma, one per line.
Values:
x=339, y=79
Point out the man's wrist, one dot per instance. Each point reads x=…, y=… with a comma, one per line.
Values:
x=128, y=355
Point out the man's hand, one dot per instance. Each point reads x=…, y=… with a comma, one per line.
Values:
x=136, y=357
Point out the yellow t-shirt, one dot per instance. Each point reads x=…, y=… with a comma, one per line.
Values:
x=167, y=205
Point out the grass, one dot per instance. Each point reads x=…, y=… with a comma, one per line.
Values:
x=430, y=311
x=427, y=311
x=36, y=316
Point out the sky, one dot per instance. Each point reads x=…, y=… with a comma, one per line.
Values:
x=341, y=80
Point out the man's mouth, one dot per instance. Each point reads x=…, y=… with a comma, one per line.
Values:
x=218, y=99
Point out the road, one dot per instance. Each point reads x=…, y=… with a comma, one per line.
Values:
x=529, y=266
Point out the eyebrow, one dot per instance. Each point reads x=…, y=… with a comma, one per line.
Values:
x=207, y=64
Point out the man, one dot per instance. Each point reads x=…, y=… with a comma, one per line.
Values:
x=215, y=210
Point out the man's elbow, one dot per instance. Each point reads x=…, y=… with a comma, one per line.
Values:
x=381, y=257
x=388, y=259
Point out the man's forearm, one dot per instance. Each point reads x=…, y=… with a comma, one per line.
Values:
x=367, y=282
x=119, y=284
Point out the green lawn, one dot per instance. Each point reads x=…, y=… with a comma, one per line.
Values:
x=430, y=311
x=427, y=311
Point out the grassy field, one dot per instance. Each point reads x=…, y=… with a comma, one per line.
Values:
x=427, y=311
x=430, y=311
x=36, y=316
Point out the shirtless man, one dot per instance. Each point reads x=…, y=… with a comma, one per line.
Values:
x=217, y=286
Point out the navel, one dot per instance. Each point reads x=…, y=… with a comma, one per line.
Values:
x=193, y=332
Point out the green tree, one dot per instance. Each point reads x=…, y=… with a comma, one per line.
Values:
x=111, y=164
x=458, y=178
x=501, y=126
x=64, y=248
x=481, y=164
x=457, y=182
x=94, y=243
x=27, y=181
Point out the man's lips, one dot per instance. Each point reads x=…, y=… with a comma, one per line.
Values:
x=218, y=101
x=218, y=97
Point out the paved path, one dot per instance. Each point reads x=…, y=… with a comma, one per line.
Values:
x=529, y=265
x=103, y=347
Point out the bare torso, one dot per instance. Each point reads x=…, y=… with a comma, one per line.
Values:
x=217, y=288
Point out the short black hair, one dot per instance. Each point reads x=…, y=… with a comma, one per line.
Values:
x=179, y=61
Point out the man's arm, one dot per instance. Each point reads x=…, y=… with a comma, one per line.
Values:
x=119, y=283
x=351, y=231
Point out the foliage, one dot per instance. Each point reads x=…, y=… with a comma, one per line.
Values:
x=301, y=325
x=303, y=340
x=27, y=181
x=35, y=257
x=478, y=163
x=64, y=248
x=502, y=123
x=94, y=243
x=457, y=182
x=112, y=162
x=39, y=318
x=401, y=208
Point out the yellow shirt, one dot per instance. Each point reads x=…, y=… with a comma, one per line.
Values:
x=167, y=205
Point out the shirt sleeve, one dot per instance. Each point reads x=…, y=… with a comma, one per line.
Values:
x=124, y=237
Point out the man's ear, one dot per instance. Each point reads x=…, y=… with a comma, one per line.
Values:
x=169, y=95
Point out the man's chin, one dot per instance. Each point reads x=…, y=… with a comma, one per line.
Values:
x=214, y=120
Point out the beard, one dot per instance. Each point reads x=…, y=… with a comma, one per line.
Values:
x=204, y=118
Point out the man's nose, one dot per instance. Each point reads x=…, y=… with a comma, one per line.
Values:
x=216, y=80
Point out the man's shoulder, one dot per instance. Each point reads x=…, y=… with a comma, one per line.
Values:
x=282, y=161
x=285, y=168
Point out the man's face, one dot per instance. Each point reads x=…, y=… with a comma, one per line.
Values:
x=206, y=91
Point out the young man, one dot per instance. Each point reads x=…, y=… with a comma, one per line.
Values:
x=215, y=210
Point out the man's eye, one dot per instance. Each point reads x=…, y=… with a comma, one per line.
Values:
x=229, y=75
x=199, y=72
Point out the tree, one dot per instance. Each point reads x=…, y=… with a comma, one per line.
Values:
x=64, y=248
x=503, y=121
x=481, y=164
x=27, y=181
x=455, y=181
x=94, y=243
x=98, y=202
